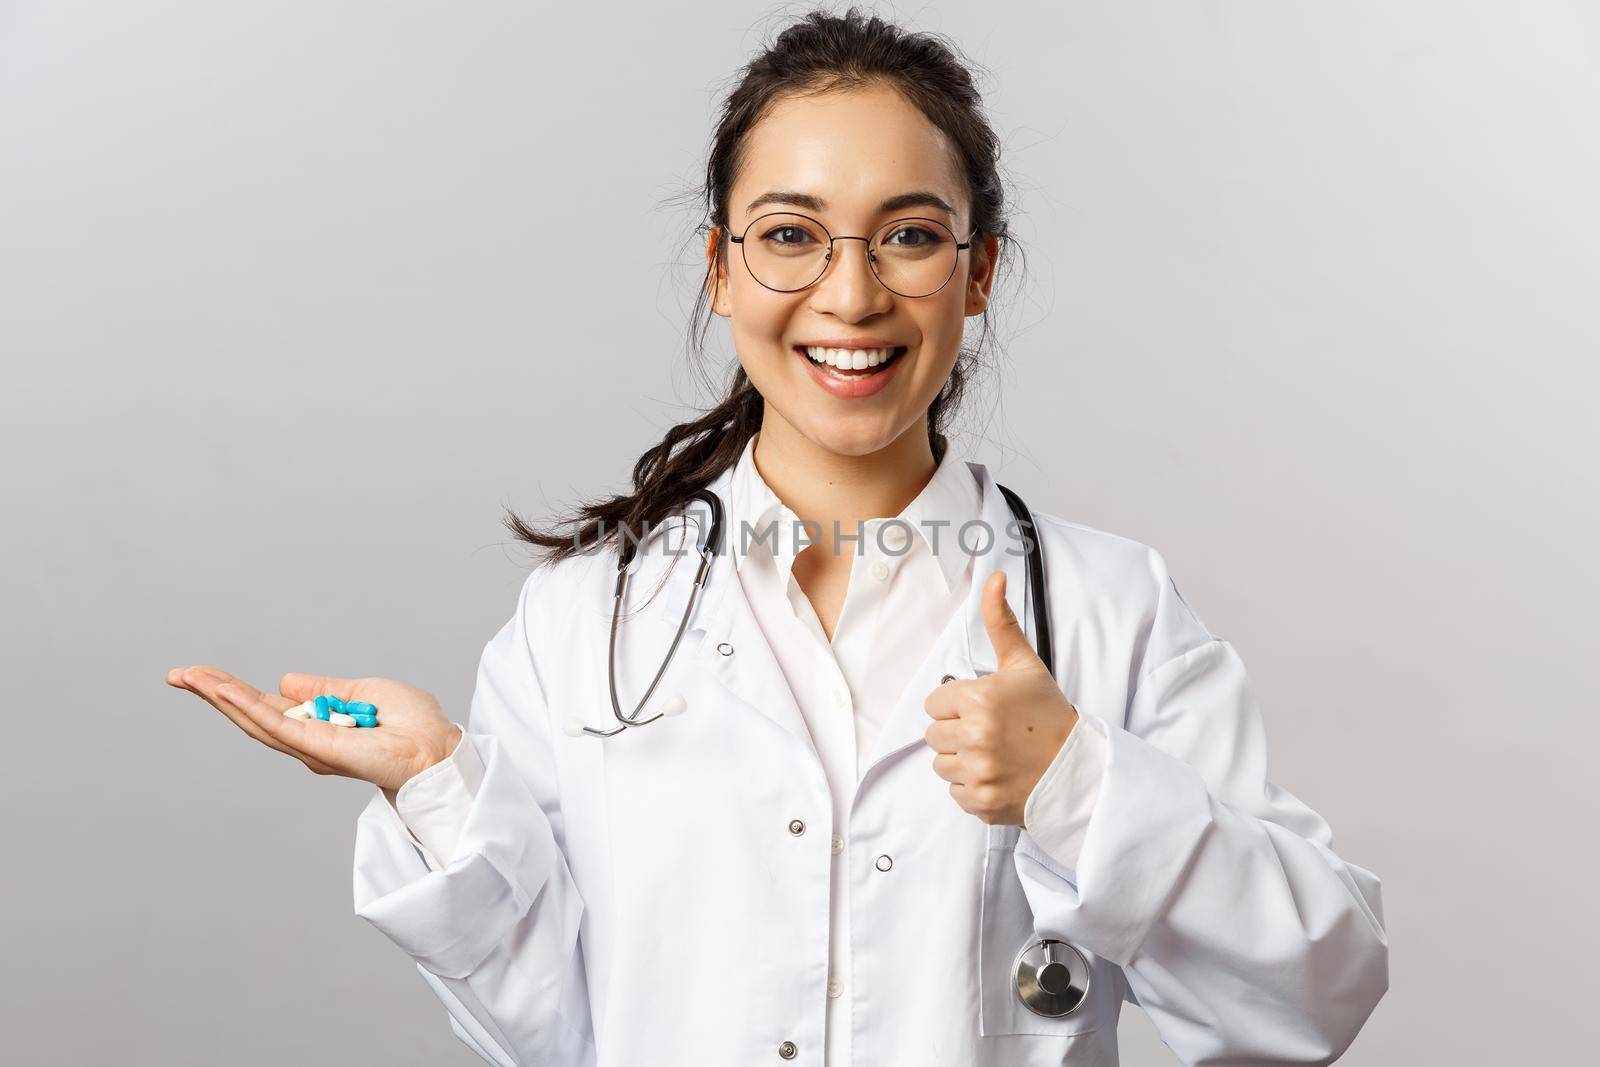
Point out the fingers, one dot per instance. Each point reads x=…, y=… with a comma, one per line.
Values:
x=203, y=682
x=308, y=741
x=948, y=768
x=206, y=682
x=224, y=678
x=942, y=736
x=184, y=677
x=944, y=702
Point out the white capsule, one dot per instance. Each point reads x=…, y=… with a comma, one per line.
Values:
x=339, y=718
x=308, y=710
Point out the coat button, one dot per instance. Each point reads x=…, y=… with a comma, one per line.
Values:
x=880, y=570
x=725, y=649
x=788, y=1050
x=796, y=827
x=838, y=843
x=835, y=987
x=884, y=863
x=841, y=697
x=947, y=678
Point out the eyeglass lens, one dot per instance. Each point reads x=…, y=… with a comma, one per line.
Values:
x=912, y=256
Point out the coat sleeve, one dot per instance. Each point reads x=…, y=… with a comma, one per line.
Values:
x=495, y=931
x=433, y=804
x=1240, y=931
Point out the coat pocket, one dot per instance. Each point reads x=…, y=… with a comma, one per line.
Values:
x=1006, y=929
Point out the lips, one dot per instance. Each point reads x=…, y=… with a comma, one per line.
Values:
x=853, y=385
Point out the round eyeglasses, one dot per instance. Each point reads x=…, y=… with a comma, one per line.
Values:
x=913, y=257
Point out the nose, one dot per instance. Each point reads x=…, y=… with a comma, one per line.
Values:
x=848, y=288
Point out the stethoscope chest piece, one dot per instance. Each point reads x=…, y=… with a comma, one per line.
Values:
x=1052, y=978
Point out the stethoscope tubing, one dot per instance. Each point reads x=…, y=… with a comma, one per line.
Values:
x=709, y=543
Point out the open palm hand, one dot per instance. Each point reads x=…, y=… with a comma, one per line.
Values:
x=413, y=733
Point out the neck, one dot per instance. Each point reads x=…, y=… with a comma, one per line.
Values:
x=823, y=486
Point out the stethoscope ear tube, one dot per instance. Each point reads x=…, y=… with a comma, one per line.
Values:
x=1044, y=642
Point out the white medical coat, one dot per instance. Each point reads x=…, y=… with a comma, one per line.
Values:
x=642, y=899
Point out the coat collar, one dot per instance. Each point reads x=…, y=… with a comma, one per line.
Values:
x=935, y=515
x=1005, y=553
x=999, y=539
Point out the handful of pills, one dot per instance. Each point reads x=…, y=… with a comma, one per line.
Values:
x=331, y=709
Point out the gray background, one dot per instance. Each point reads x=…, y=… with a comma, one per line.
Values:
x=294, y=298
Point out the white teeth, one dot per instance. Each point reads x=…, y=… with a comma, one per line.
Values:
x=850, y=358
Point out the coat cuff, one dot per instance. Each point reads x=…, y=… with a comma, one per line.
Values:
x=1058, y=811
x=449, y=920
x=434, y=804
x=1152, y=813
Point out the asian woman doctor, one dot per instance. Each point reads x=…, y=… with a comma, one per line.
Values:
x=816, y=796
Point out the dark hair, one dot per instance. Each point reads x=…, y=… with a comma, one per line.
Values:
x=821, y=52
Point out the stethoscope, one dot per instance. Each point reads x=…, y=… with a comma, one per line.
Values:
x=1051, y=976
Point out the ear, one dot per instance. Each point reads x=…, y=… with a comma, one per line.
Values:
x=984, y=253
x=717, y=276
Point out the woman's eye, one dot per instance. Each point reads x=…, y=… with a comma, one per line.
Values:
x=794, y=235
x=915, y=236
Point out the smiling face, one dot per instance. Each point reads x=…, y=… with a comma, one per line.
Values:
x=848, y=154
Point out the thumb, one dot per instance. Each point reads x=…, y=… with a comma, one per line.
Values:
x=304, y=687
x=1011, y=648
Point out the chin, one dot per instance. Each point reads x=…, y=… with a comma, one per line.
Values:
x=852, y=437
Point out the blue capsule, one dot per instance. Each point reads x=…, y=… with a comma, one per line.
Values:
x=335, y=704
x=360, y=707
x=365, y=720
x=320, y=706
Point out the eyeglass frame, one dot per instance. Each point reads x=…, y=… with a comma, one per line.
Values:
x=872, y=261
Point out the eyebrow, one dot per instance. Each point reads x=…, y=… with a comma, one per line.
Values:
x=816, y=203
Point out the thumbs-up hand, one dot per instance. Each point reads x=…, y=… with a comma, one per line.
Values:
x=994, y=737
